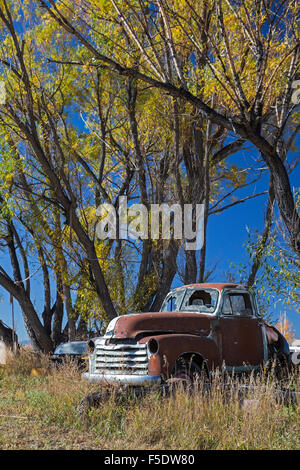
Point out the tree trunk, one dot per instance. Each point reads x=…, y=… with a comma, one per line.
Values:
x=190, y=273
x=286, y=203
x=58, y=313
x=166, y=279
x=265, y=235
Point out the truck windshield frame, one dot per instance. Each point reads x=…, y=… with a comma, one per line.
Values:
x=196, y=300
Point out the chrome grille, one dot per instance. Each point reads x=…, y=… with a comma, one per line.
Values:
x=121, y=359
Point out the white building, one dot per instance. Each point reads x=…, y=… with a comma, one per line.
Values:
x=295, y=351
x=296, y=343
x=3, y=353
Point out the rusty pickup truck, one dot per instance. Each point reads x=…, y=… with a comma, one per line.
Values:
x=201, y=329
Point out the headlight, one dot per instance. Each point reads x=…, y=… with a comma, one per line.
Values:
x=111, y=327
x=91, y=346
x=153, y=346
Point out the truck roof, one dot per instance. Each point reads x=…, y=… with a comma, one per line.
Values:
x=214, y=285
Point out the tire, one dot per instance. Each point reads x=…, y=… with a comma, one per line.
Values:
x=278, y=367
x=187, y=371
x=282, y=369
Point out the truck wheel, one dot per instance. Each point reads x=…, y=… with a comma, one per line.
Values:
x=282, y=369
x=278, y=368
x=187, y=371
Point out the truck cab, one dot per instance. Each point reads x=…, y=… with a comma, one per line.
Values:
x=200, y=329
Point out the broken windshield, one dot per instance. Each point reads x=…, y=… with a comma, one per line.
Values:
x=191, y=300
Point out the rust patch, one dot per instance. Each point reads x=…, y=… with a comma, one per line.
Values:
x=133, y=326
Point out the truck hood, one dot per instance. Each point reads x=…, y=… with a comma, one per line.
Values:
x=155, y=323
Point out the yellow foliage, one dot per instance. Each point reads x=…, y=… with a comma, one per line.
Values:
x=286, y=328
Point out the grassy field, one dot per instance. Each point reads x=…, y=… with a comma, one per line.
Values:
x=42, y=413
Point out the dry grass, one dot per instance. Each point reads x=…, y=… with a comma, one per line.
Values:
x=42, y=413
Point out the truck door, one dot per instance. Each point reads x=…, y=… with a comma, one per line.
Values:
x=242, y=343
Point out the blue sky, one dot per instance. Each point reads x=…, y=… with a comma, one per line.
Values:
x=226, y=235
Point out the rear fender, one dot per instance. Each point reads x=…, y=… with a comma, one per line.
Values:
x=277, y=344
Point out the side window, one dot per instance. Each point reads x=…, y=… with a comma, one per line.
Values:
x=173, y=301
x=237, y=304
x=227, y=306
x=170, y=304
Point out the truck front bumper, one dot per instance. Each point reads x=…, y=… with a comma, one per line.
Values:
x=114, y=379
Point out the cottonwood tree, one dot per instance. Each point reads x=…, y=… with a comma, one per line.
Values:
x=177, y=174
x=286, y=328
x=251, y=53
x=193, y=151
x=272, y=271
x=34, y=115
x=127, y=139
x=35, y=241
